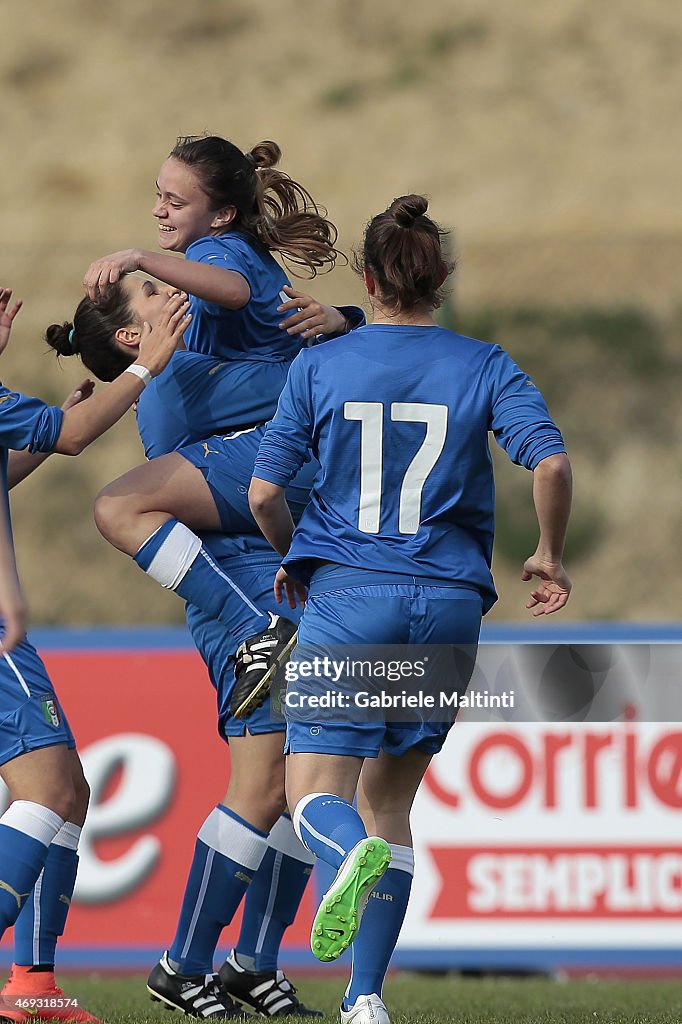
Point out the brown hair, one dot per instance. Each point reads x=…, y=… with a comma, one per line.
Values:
x=271, y=207
x=91, y=335
x=403, y=251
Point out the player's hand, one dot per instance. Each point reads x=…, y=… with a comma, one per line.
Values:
x=294, y=590
x=159, y=341
x=308, y=317
x=552, y=592
x=79, y=394
x=106, y=271
x=7, y=315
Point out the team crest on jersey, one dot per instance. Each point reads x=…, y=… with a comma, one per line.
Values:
x=51, y=711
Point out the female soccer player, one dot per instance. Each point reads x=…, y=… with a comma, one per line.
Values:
x=152, y=511
x=227, y=211
x=247, y=835
x=395, y=546
x=38, y=762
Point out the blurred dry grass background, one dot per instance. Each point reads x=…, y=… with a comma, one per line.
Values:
x=546, y=134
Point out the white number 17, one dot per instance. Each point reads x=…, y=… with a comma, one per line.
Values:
x=371, y=417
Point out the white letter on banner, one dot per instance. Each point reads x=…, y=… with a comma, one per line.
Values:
x=147, y=768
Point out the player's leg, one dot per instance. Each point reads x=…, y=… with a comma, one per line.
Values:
x=230, y=846
x=250, y=974
x=228, y=852
x=386, y=792
x=41, y=800
x=325, y=759
x=34, y=765
x=151, y=513
x=43, y=916
x=256, y=796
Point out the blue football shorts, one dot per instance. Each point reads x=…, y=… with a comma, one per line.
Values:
x=352, y=606
x=226, y=463
x=30, y=714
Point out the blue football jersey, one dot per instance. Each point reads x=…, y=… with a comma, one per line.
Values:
x=26, y=423
x=197, y=396
x=252, y=332
x=398, y=417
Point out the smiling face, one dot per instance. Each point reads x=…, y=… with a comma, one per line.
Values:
x=183, y=210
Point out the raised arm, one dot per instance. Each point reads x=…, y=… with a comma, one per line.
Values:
x=213, y=284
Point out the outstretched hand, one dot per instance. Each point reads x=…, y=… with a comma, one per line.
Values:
x=552, y=593
x=7, y=315
x=308, y=316
x=104, y=272
x=294, y=590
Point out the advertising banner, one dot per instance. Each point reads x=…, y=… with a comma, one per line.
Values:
x=547, y=833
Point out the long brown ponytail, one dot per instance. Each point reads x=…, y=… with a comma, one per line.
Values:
x=272, y=207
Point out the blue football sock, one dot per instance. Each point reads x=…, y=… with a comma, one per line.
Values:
x=43, y=918
x=26, y=831
x=227, y=854
x=380, y=928
x=273, y=898
x=175, y=557
x=329, y=826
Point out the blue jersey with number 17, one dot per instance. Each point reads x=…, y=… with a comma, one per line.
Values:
x=398, y=417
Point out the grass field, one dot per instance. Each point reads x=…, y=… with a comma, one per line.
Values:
x=427, y=999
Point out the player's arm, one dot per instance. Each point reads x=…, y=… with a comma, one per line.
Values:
x=22, y=464
x=270, y=510
x=29, y=423
x=12, y=607
x=523, y=427
x=214, y=284
x=552, y=492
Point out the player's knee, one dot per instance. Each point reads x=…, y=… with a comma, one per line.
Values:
x=278, y=802
x=266, y=805
x=271, y=804
x=81, y=798
x=60, y=798
x=111, y=511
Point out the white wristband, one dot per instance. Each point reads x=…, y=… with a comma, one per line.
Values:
x=139, y=371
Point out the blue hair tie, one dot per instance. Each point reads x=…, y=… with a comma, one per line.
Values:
x=71, y=333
